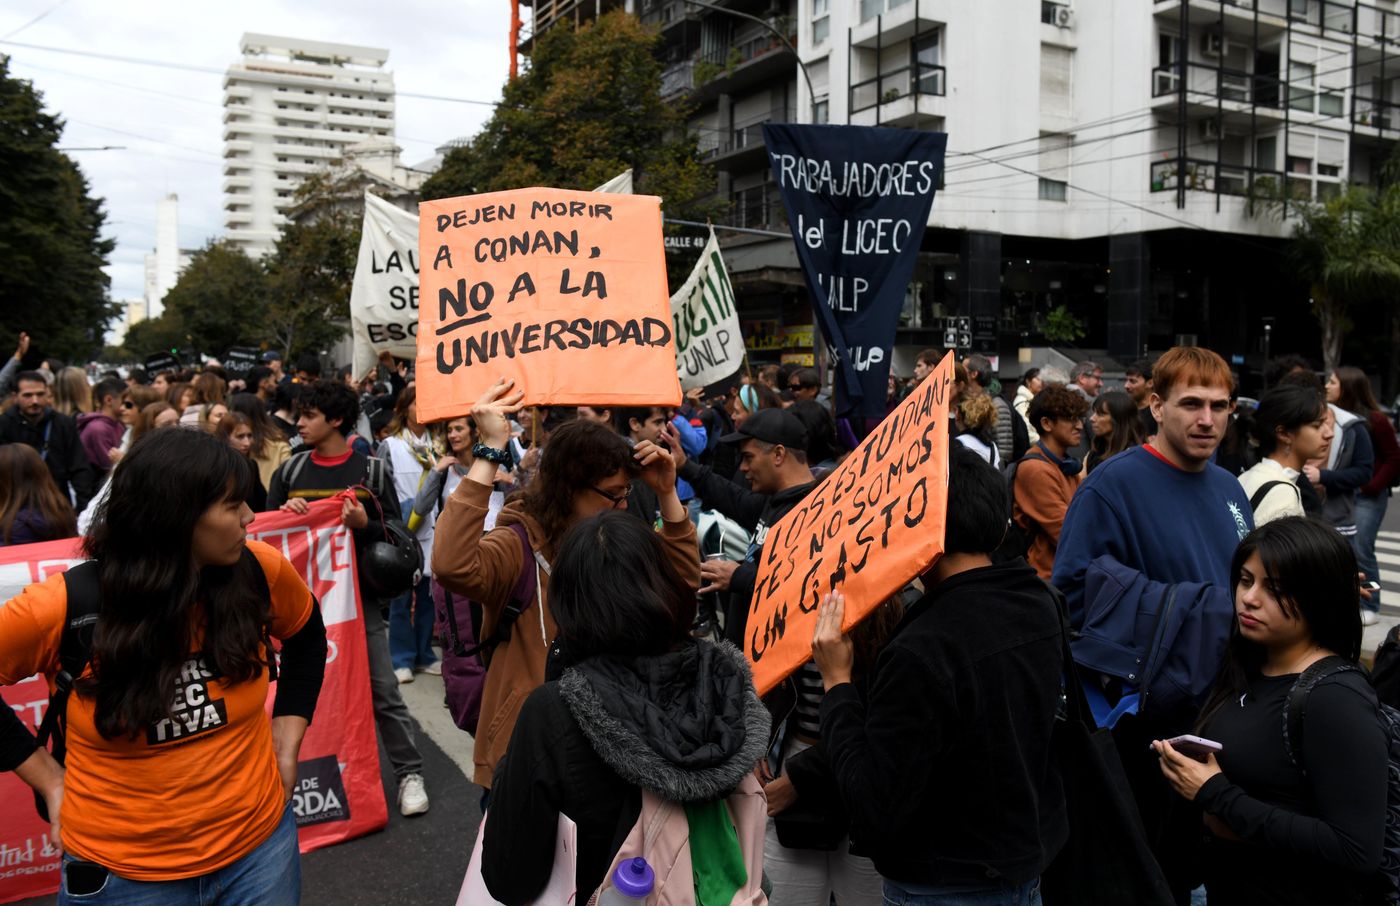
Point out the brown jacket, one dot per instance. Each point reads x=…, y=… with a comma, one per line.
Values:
x=485, y=567
x=1042, y=495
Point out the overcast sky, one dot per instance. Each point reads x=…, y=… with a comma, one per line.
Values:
x=170, y=120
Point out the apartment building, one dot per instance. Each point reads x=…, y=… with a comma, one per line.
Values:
x=1116, y=160
x=291, y=108
x=1116, y=157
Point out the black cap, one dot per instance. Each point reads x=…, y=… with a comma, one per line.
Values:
x=772, y=426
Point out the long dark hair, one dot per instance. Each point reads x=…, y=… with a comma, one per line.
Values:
x=1313, y=571
x=1356, y=396
x=1127, y=424
x=1287, y=407
x=155, y=600
x=249, y=405
x=579, y=454
x=613, y=591
x=25, y=484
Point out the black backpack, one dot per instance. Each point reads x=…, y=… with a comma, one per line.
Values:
x=75, y=650
x=1295, y=709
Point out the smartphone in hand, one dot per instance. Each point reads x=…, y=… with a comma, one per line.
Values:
x=1195, y=747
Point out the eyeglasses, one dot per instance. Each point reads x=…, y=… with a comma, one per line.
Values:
x=616, y=500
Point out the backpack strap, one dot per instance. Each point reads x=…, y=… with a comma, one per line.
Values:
x=1295, y=709
x=74, y=652
x=520, y=597
x=1258, y=496
x=374, y=476
x=292, y=468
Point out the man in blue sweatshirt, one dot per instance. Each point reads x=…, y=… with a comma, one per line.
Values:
x=1144, y=562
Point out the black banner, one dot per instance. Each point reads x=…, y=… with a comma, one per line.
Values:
x=239, y=359
x=857, y=198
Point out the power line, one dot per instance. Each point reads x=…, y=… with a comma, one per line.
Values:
x=36, y=19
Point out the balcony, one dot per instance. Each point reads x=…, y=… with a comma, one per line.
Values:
x=759, y=208
x=756, y=58
x=742, y=144
x=884, y=23
x=668, y=13
x=888, y=87
x=1202, y=175
x=1370, y=113
x=678, y=79
x=1211, y=86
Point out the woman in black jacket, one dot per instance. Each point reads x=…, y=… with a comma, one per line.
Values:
x=1297, y=819
x=630, y=702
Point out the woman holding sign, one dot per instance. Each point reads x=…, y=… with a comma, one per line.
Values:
x=176, y=783
x=585, y=469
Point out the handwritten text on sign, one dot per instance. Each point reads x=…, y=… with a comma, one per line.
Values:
x=565, y=292
x=868, y=528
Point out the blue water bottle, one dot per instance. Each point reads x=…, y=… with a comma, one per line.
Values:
x=631, y=884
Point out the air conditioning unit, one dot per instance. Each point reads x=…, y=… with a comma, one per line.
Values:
x=1210, y=130
x=1064, y=17
x=1212, y=44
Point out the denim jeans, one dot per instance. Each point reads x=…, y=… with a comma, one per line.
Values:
x=1370, y=512
x=1027, y=894
x=268, y=876
x=411, y=627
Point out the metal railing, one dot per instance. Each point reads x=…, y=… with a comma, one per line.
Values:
x=1201, y=175
x=759, y=208
x=1218, y=82
x=1375, y=113
x=916, y=78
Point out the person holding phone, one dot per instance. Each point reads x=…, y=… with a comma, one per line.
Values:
x=1296, y=821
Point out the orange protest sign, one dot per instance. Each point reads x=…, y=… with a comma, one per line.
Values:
x=867, y=529
x=564, y=292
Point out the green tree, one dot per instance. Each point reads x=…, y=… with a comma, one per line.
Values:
x=51, y=285
x=588, y=107
x=309, y=276
x=1347, y=249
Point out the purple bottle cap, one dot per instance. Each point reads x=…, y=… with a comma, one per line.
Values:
x=634, y=878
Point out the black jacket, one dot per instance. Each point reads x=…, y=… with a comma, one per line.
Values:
x=55, y=436
x=755, y=512
x=945, y=766
x=686, y=725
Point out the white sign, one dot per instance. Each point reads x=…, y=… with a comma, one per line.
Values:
x=384, y=294
x=709, y=346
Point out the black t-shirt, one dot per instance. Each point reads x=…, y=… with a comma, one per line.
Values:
x=321, y=478
x=1307, y=838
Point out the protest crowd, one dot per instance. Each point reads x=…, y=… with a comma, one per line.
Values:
x=584, y=579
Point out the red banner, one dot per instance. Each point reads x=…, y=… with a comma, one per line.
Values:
x=339, y=794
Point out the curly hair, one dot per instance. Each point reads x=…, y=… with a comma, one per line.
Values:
x=1056, y=401
x=579, y=454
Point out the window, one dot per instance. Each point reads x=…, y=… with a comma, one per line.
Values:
x=928, y=72
x=1330, y=103
x=1052, y=189
x=1300, y=85
x=821, y=111
x=821, y=20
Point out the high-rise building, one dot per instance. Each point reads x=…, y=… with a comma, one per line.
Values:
x=165, y=263
x=291, y=107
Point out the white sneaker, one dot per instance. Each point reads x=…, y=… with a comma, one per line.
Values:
x=404, y=675
x=1369, y=617
x=433, y=669
x=413, y=797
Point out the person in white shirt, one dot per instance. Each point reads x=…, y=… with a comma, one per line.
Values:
x=1291, y=427
x=410, y=455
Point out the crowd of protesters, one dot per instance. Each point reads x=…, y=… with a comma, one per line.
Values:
x=912, y=760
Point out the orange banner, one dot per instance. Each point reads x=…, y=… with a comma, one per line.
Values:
x=564, y=292
x=871, y=526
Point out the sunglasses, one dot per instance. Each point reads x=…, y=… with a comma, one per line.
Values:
x=128, y=404
x=615, y=499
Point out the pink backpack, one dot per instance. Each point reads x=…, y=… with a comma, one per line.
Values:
x=662, y=837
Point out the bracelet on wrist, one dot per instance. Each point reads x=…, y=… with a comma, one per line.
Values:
x=490, y=454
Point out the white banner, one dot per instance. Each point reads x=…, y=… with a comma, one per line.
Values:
x=621, y=184
x=709, y=346
x=384, y=294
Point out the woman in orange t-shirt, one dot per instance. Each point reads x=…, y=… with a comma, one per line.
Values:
x=176, y=783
